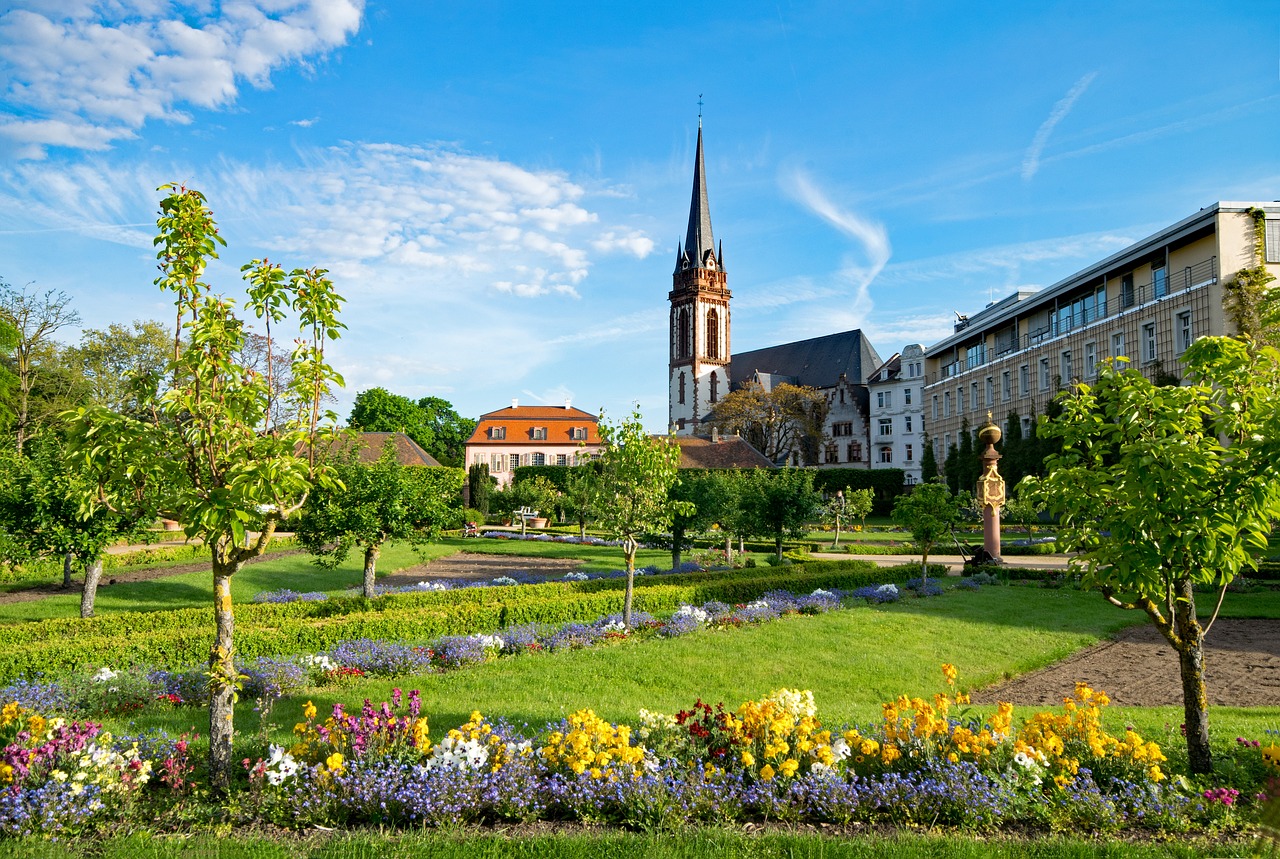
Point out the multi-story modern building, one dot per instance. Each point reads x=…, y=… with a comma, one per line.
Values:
x=1146, y=303
x=896, y=390
x=532, y=435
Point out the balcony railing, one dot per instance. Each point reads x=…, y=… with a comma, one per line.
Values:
x=1193, y=276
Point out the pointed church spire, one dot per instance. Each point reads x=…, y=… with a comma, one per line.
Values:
x=698, y=241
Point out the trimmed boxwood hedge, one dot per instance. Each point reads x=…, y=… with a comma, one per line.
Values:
x=182, y=637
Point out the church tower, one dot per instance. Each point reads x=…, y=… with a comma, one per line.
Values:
x=699, y=328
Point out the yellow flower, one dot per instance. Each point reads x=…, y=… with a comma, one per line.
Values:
x=308, y=711
x=1271, y=756
x=789, y=766
x=334, y=762
x=748, y=759
x=767, y=773
x=949, y=672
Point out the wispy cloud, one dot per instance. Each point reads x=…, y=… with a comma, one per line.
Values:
x=857, y=270
x=90, y=74
x=1031, y=160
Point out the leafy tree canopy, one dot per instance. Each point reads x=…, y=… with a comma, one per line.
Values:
x=1161, y=489
x=431, y=422
x=929, y=512
x=788, y=418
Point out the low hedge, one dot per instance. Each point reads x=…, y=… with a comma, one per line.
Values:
x=182, y=637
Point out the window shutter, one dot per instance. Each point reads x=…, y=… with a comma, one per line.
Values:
x=1272, y=240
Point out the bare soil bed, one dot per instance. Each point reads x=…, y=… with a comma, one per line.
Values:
x=1138, y=668
x=466, y=567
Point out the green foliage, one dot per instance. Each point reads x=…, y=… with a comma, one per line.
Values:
x=928, y=460
x=929, y=512
x=1181, y=507
x=710, y=497
x=779, y=504
x=431, y=422
x=581, y=496
x=123, y=366
x=557, y=475
x=536, y=493
x=886, y=483
x=174, y=639
x=786, y=420
x=371, y=504
x=479, y=487
x=637, y=471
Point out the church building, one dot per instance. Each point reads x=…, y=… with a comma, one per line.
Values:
x=702, y=368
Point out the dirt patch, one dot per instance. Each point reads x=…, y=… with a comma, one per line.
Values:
x=1138, y=668
x=466, y=567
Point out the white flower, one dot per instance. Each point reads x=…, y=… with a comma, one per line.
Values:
x=104, y=674
x=690, y=611
x=821, y=593
x=490, y=642
x=320, y=661
x=576, y=577
x=840, y=748
x=280, y=766
x=891, y=590
x=614, y=626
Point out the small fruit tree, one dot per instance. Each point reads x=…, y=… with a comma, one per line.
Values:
x=929, y=513
x=637, y=471
x=1160, y=489
x=207, y=445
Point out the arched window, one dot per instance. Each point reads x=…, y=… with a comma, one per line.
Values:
x=713, y=336
x=715, y=387
x=681, y=387
x=682, y=333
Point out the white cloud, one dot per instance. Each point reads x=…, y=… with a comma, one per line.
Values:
x=632, y=242
x=91, y=73
x=305, y=123
x=857, y=271
x=1031, y=160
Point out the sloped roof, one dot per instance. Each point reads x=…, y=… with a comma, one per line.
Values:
x=520, y=421
x=889, y=371
x=369, y=447
x=732, y=451
x=815, y=363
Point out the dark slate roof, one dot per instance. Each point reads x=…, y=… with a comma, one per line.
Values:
x=889, y=371
x=370, y=444
x=732, y=451
x=815, y=363
x=698, y=240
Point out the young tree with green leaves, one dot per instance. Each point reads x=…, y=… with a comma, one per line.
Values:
x=849, y=504
x=929, y=512
x=479, y=487
x=372, y=504
x=705, y=493
x=928, y=461
x=208, y=448
x=41, y=510
x=581, y=497
x=637, y=471
x=1161, y=489
x=780, y=504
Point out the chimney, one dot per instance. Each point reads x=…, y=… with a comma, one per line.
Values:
x=715, y=435
x=515, y=403
x=567, y=403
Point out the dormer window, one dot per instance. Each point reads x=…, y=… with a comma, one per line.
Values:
x=497, y=432
x=539, y=433
x=580, y=433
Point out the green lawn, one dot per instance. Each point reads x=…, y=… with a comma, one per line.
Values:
x=583, y=843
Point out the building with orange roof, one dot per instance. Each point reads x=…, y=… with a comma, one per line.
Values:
x=532, y=435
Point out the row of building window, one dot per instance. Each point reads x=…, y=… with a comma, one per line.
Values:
x=1149, y=345
x=538, y=433
x=501, y=462
x=715, y=388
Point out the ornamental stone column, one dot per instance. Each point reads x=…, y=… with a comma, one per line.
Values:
x=990, y=490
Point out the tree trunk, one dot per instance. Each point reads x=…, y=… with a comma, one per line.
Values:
x=1195, y=702
x=371, y=554
x=835, y=544
x=582, y=529
x=777, y=547
x=924, y=568
x=629, y=547
x=728, y=549
x=68, y=560
x=677, y=540
x=92, y=575
x=222, y=677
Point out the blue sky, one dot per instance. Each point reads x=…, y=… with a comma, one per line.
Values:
x=498, y=188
